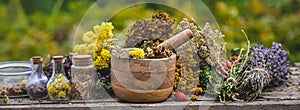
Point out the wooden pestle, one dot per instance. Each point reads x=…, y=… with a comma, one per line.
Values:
x=178, y=39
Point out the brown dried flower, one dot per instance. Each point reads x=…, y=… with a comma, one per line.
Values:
x=159, y=26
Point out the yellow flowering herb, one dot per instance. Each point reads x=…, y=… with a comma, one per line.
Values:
x=198, y=90
x=194, y=97
x=101, y=54
x=102, y=60
x=92, y=39
x=97, y=43
x=61, y=94
x=137, y=53
x=59, y=88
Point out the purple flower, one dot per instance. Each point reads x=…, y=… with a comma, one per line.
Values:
x=274, y=60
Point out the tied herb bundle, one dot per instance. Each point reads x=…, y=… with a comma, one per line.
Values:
x=251, y=71
x=274, y=60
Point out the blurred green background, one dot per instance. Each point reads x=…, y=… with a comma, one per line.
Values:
x=42, y=27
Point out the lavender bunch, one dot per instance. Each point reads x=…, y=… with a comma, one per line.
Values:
x=274, y=60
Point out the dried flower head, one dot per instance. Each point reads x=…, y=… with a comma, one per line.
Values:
x=159, y=26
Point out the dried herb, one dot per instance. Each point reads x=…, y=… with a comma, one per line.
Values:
x=235, y=74
x=4, y=100
x=207, y=50
x=152, y=50
x=274, y=60
x=84, y=84
x=16, y=89
x=59, y=89
x=160, y=26
x=189, y=81
x=253, y=83
x=38, y=91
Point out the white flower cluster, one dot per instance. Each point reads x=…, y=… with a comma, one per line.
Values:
x=89, y=43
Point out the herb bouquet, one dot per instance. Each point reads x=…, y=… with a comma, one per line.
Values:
x=201, y=65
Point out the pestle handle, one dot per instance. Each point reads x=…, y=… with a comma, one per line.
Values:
x=178, y=39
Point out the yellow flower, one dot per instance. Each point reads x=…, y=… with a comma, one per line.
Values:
x=103, y=60
x=57, y=86
x=97, y=43
x=102, y=55
x=92, y=39
x=61, y=94
x=69, y=89
x=194, y=97
x=60, y=75
x=105, y=54
x=199, y=90
x=137, y=53
x=51, y=88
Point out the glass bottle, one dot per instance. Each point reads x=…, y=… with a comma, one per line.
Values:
x=83, y=77
x=59, y=87
x=36, y=85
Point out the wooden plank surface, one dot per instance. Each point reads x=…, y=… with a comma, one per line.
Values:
x=115, y=105
x=285, y=97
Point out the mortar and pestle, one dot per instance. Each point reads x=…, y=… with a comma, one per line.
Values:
x=146, y=80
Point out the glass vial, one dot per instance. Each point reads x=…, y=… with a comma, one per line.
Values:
x=83, y=77
x=59, y=88
x=36, y=85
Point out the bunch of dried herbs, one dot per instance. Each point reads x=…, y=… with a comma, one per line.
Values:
x=252, y=70
x=152, y=50
x=274, y=60
x=17, y=89
x=206, y=53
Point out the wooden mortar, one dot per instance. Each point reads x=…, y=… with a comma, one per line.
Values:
x=146, y=80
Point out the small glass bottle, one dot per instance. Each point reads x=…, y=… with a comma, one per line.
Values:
x=83, y=77
x=36, y=85
x=59, y=88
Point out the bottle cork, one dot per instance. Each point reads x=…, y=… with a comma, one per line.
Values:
x=57, y=58
x=36, y=59
x=82, y=60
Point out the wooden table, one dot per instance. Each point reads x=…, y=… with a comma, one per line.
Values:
x=287, y=98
